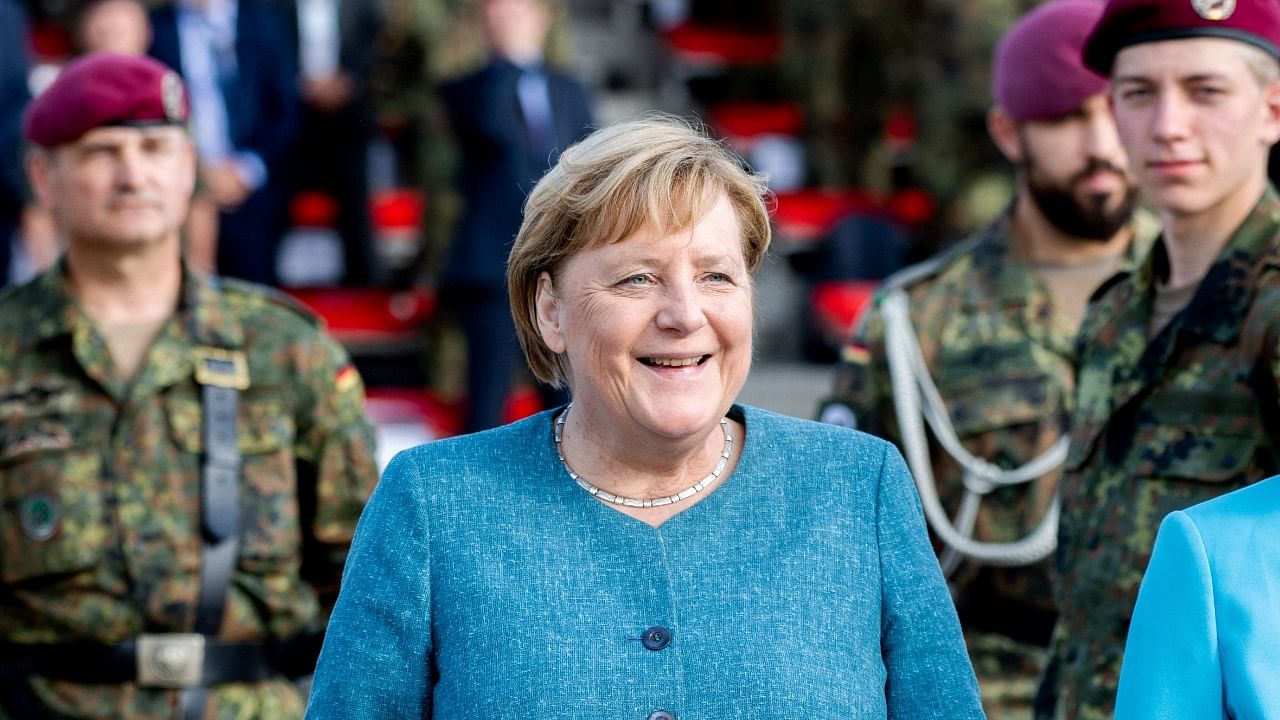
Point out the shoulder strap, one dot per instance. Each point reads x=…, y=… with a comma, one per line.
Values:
x=912, y=274
x=274, y=296
x=222, y=374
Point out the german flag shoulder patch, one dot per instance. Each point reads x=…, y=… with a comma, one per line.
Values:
x=346, y=378
x=855, y=353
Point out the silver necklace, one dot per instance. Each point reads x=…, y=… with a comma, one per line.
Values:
x=651, y=502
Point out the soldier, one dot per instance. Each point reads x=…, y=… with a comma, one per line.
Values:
x=182, y=460
x=511, y=119
x=1179, y=364
x=991, y=325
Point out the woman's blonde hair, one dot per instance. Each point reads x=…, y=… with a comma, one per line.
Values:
x=659, y=173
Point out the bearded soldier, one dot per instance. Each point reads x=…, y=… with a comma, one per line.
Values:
x=981, y=342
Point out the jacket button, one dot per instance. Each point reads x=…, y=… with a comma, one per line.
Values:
x=661, y=715
x=656, y=638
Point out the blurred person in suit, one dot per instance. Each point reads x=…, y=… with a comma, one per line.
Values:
x=13, y=99
x=334, y=42
x=117, y=26
x=511, y=119
x=233, y=55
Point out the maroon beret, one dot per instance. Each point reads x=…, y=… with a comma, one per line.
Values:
x=105, y=89
x=1037, y=73
x=1130, y=22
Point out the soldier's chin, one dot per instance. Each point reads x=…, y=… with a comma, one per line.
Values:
x=128, y=239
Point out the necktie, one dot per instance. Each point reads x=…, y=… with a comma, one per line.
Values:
x=535, y=107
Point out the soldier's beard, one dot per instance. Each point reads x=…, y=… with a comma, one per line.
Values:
x=1082, y=215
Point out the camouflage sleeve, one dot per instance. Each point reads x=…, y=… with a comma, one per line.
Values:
x=1269, y=397
x=335, y=440
x=1260, y=340
x=862, y=397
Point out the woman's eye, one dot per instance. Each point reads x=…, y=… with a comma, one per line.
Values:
x=637, y=280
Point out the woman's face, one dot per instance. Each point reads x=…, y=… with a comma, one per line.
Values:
x=656, y=328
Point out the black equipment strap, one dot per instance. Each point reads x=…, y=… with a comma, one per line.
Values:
x=219, y=505
x=222, y=374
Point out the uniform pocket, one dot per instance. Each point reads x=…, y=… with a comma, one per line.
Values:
x=52, y=520
x=1198, y=436
x=265, y=432
x=992, y=402
x=1188, y=454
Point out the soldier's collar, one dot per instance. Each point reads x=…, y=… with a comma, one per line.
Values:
x=52, y=309
x=1218, y=308
x=208, y=316
x=997, y=257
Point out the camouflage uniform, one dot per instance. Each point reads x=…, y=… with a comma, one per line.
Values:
x=1160, y=425
x=1002, y=359
x=99, y=485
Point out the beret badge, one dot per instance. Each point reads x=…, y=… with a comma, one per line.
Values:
x=171, y=96
x=1214, y=9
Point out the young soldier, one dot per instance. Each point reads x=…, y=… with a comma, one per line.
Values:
x=1180, y=360
x=182, y=460
x=995, y=321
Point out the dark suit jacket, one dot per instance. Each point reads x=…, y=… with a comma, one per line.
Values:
x=263, y=115
x=13, y=98
x=359, y=23
x=498, y=168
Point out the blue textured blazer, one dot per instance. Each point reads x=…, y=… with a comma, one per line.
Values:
x=1205, y=637
x=483, y=583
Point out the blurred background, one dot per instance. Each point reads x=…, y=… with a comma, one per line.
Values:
x=868, y=118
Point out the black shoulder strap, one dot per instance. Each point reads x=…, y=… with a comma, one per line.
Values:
x=219, y=505
x=222, y=374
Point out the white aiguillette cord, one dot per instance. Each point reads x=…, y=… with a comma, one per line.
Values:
x=910, y=378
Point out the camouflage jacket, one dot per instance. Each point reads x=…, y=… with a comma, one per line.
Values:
x=99, y=483
x=1003, y=361
x=1160, y=425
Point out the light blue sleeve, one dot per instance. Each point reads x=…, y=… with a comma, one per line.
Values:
x=928, y=673
x=1171, y=665
x=375, y=662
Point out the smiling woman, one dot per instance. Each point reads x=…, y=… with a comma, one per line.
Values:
x=655, y=331
x=653, y=549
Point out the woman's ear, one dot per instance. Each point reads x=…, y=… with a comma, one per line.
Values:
x=547, y=310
